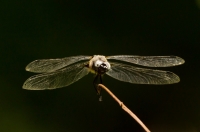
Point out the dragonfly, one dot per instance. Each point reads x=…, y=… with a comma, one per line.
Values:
x=61, y=72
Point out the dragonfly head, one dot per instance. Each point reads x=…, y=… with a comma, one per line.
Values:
x=101, y=67
x=99, y=64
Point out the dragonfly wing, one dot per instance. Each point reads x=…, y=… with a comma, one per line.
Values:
x=57, y=79
x=128, y=73
x=150, y=61
x=49, y=65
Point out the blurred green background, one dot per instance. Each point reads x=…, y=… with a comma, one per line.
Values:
x=31, y=30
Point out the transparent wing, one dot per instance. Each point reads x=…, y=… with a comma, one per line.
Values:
x=49, y=65
x=128, y=73
x=150, y=61
x=57, y=79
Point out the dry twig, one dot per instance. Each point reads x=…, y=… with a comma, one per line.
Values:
x=124, y=107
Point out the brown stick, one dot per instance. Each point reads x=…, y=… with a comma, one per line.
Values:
x=124, y=107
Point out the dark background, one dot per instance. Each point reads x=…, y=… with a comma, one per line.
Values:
x=31, y=30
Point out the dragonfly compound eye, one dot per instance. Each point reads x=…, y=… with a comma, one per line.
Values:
x=98, y=63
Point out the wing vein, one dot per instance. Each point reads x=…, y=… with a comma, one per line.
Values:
x=128, y=73
x=57, y=79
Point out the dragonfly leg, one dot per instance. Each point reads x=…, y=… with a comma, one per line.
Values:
x=101, y=81
x=97, y=88
x=95, y=83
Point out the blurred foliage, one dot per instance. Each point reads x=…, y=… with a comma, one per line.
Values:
x=198, y=3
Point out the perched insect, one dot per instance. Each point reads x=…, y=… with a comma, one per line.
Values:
x=56, y=73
